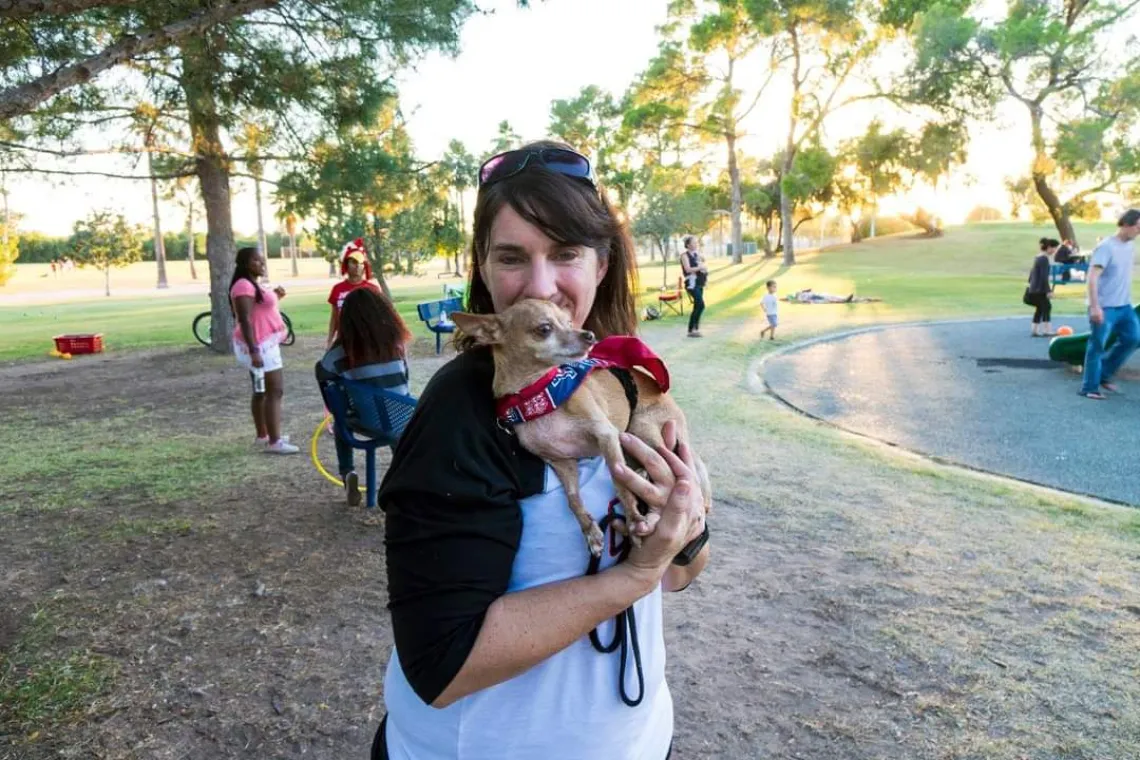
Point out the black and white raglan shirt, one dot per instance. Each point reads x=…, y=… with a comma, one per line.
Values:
x=470, y=516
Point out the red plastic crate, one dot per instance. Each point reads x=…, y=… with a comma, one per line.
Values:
x=91, y=343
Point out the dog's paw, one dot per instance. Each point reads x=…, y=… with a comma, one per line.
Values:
x=595, y=539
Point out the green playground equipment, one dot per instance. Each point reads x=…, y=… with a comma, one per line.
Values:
x=1071, y=348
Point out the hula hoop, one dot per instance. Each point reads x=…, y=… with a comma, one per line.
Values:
x=313, y=453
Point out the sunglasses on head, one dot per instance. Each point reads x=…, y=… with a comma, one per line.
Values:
x=561, y=160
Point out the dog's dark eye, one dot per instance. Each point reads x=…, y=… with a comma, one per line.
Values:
x=544, y=330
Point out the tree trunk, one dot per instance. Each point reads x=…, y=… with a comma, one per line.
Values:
x=107, y=280
x=159, y=243
x=462, y=234
x=378, y=258
x=1057, y=210
x=7, y=217
x=332, y=268
x=856, y=235
x=190, y=239
x=786, y=209
x=737, y=203
x=293, y=251
x=262, y=245
x=199, y=67
x=787, y=224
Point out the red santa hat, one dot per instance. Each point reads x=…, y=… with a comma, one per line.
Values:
x=354, y=249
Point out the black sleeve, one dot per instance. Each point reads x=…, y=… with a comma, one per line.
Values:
x=452, y=521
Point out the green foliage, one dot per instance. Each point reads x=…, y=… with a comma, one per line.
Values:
x=1065, y=62
x=671, y=208
x=505, y=139
x=885, y=225
x=9, y=252
x=983, y=214
x=811, y=181
x=1020, y=193
x=591, y=123
x=104, y=240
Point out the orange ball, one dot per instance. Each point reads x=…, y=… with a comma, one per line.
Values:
x=1064, y=330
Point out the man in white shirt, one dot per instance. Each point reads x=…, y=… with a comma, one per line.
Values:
x=1110, y=308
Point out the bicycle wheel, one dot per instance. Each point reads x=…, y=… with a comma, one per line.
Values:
x=290, y=338
x=201, y=328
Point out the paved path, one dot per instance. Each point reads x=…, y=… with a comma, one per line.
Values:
x=982, y=393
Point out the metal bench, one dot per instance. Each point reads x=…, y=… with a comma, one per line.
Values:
x=432, y=313
x=1059, y=274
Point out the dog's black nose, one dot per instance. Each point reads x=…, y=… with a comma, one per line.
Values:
x=588, y=336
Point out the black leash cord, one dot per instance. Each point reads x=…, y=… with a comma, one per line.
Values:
x=626, y=640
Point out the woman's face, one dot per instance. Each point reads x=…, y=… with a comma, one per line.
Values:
x=522, y=262
x=355, y=269
x=257, y=265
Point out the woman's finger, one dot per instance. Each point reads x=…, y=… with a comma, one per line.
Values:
x=681, y=464
x=669, y=434
x=650, y=493
x=648, y=525
x=656, y=467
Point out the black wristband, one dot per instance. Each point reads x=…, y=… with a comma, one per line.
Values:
x=692, y=549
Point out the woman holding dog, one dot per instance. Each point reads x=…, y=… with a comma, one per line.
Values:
x=491, y=601
x=696, y=277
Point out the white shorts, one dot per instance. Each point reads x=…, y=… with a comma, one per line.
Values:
x=270, y=354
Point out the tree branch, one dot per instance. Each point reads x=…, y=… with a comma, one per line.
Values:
x=22, y=99
x=19, y=9
x=148, y=177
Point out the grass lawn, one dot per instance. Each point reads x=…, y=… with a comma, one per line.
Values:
x=170, y=593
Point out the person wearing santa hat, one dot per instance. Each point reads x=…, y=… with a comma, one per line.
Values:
x=357, y=274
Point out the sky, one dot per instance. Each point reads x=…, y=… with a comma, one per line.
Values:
x=513, y=63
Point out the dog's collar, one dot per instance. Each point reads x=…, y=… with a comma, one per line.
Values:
x=552, y=389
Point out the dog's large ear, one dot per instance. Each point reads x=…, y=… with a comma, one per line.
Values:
x=484, y=328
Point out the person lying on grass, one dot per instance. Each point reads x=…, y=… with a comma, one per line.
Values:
x=807, y=295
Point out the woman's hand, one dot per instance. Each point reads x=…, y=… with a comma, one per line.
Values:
x=256, y=360
x=676, y=506
x=280, y=291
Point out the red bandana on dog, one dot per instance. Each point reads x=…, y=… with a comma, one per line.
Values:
x=552, y=389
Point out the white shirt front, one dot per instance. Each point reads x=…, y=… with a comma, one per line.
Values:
x=568, y=706
x=770, y=303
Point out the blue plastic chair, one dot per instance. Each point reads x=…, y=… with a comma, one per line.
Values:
x=378, y=418
x=430, y=312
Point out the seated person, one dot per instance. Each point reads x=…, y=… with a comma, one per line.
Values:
x=370, y=347
x=1062, y=253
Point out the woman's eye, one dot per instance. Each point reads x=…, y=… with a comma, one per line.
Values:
x=568, y=254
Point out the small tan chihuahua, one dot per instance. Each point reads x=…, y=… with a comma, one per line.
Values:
x=538, y=359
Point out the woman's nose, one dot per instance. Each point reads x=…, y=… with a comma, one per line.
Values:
x=541, y=280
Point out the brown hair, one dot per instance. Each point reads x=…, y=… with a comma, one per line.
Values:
x=570, y=211
x=371, y=331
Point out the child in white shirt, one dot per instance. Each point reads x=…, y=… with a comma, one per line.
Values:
x=770, y=304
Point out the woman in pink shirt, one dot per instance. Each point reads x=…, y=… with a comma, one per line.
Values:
x=257, y=346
